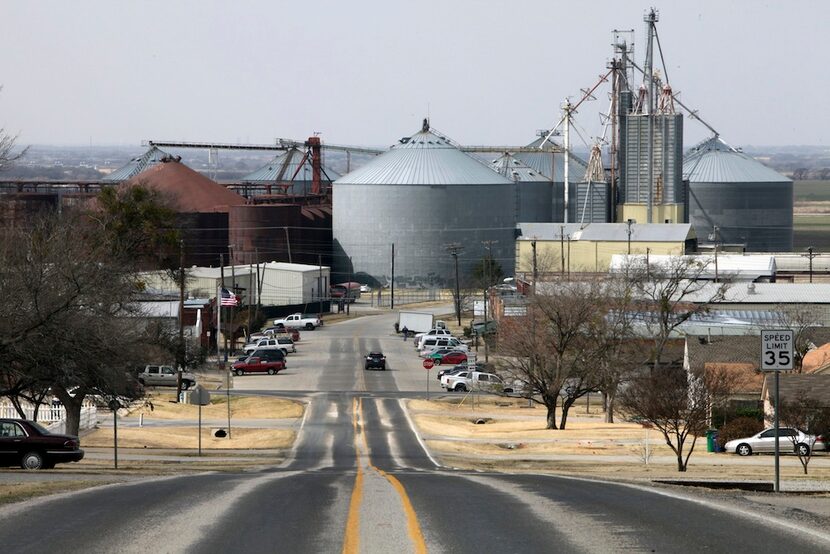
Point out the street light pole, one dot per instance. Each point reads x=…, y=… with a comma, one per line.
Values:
x=454, y=250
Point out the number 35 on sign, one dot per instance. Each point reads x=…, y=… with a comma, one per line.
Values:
x=776, y=349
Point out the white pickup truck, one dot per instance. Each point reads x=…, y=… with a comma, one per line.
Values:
x=299, y=321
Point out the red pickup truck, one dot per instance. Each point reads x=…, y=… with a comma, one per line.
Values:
x=255, y=364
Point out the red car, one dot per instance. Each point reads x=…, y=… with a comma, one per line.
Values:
x=27, y=444
x=454, y=357
x=256, y=364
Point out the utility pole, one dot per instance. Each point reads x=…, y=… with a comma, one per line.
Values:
x=569, y=258
x=320, y=286
x=348, y=296
x=630, y=222
x=810, y=255
x=562, y=247
x=250, y=295
x=716, y=236
x=233, y=291
x=182, y=353
x=454, y=250
x=535, y=271
x=258, y=286
x=392, y=298
x=488, y=244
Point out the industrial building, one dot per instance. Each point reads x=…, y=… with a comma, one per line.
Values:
x=280, y=288
x=153, y=156
x=421, y=197
x=572, y=247
x=201, y=205
x=290, y=173
x=735, y=199
x=537, y=197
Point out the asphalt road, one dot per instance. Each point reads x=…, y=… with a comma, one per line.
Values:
x=359, y=480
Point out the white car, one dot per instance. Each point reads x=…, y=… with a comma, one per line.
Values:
x=365, y=288
x=789, y=440
x=432, y=332
x=279, y=343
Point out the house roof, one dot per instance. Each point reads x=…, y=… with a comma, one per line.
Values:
x=796, y=385
x=816, y=359
x=722, y=349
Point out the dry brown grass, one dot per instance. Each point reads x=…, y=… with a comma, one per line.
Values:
x=17, y=492
x=244, y=407
x=187, y=437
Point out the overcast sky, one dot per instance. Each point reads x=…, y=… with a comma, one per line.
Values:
x=367, y=72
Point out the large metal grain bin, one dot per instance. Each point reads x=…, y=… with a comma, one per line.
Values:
x=749, y=203
x=534, y=191
x=290, y=172
x=421, y=195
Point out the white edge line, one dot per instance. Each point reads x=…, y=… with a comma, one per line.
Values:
x=292, y=454
x=798, y=530
x=417, y=434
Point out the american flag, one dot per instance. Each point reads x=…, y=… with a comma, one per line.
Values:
x=228, y=299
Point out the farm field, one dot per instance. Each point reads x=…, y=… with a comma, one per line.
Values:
x=811, y=220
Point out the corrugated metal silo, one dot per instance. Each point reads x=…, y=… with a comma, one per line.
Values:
x=589, y=202
x=291, y=171
x=150, y=158
x=534, y=191
x=750, y=203
x=421, y=195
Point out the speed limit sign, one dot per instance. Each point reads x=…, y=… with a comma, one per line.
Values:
x=776, y=349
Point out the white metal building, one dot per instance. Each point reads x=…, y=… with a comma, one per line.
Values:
x=280, y=283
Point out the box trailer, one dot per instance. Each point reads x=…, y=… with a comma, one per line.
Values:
x=415, y=322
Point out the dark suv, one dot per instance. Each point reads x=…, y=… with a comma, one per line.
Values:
x=376, y=360
x=30, y=446
x=272, y=355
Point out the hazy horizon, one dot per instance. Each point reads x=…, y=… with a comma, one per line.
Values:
x=366, y=73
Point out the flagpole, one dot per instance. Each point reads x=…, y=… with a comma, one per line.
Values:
x=218, y=321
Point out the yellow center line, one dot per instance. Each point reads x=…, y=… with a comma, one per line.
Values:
x=351, y=541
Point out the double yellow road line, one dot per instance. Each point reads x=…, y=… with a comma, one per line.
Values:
x=351, y=542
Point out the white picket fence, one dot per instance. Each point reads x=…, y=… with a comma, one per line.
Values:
x=53, y=417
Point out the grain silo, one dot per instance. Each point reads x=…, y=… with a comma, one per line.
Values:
x=291, y=173
x=534, y=192
x=152, y=157
x=749, y=203
x=421, y=195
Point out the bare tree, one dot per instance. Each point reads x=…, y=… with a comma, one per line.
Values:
x=808, y=414
x=675, y=403
x=72, y=327
x=552, y=350
x=670, y=294
x=801, y=319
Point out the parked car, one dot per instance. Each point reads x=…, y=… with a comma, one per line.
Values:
x=432, y=333
x=452, y=376
x=164, y=376
x=434, y=343
x=283, y=343
x=365, y=288
x=476, y=380
x=376, y=360
x=480, y=366
x=273, y=332
x=27, y=444
x=255, y=364
x=443, y=356
x=789, y=440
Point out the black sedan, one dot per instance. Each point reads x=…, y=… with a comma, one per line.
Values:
x=27, y=444
x=376, y=360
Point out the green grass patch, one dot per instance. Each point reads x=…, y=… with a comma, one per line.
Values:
x=811, y=191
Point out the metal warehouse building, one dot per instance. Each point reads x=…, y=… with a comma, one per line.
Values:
x=590, y=248
x=421, y=195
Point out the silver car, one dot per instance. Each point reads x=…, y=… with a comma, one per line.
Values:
x=790, y=440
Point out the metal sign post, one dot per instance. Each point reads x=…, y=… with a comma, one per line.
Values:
x=428, y=363
x=777, y=356
x=201, y=397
